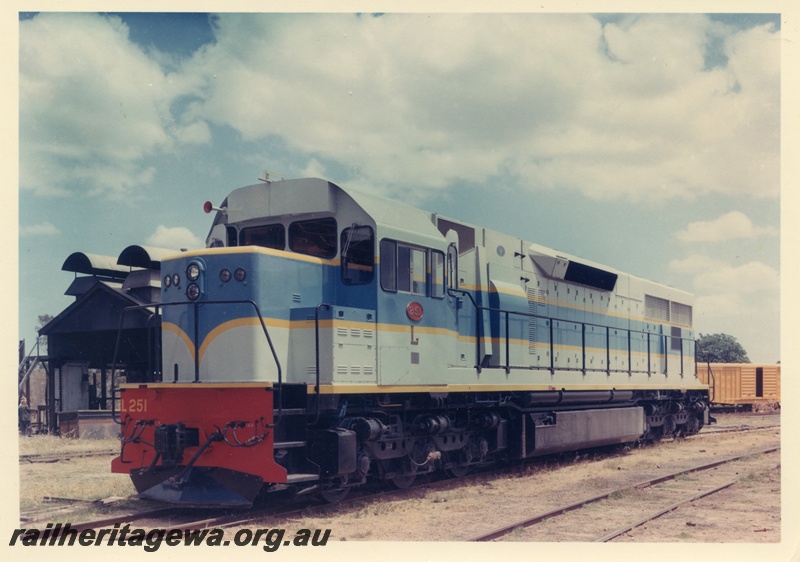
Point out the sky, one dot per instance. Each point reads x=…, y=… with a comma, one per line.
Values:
x=650, y=143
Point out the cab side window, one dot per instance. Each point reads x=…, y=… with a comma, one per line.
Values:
x=389, y=265
x=314, y=237
x=358, y=251
x=437, y=274
x=411, y=269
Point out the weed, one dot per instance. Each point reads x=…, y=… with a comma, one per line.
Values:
x=362, y=535
x=618, y=495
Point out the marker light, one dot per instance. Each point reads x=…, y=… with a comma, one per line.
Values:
x=240, y=274
x=193, y=291
x=176, y=279
x=193, y=272
x=225, y=275
x=167, y=281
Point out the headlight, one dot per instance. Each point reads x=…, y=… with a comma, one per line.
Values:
x=193, y=272
x=225, y=275
x=167, y=281
x=193, y=291
x=240, y=274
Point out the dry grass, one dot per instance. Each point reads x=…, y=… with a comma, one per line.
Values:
x=87, y=479
x=765, y=407
x=79, y=478
x=47, y=445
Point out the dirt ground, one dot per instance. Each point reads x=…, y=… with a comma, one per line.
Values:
x=456, y=510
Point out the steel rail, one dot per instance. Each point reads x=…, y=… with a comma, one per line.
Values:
x=527, y=522
x=706, y=432
x=673, y=507
x=34, y=458
x=110, y=521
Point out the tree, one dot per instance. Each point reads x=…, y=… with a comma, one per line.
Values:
x=44, y=320
x=720, y=348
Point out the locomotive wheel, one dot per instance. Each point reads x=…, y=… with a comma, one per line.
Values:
x=456, y=471
x=692, y=425
x=334, y=495
x=403, y=481
x=670, y=426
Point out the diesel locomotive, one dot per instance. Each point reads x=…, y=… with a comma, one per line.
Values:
x=325, y=338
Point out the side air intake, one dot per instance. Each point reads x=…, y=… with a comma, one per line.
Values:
x=567, y=269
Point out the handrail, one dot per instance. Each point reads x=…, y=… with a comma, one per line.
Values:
x=711, y=380
x=157, y=307
x=316, y=353
x=479, y=321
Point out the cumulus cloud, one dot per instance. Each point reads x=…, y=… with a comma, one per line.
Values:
x=630, y=108
x=92, y=106
x=42, y=229
x=176, y=238
x=625, y=109
x=194, y=133
x=731, y=226
x=726, y=293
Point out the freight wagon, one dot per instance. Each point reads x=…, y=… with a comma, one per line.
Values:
x=741, y=384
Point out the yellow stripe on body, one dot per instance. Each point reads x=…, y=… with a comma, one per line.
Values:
x=387, y=328
x=156, y=385
x=406, y=389
x=175, y=329
x=230, y=250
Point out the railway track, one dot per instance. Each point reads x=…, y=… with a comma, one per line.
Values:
x=739, y=429
x=39, y=458
x=190, y=519
x=670, y=498
x=243, y=518
x=173, y=518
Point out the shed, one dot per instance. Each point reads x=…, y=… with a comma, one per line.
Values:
x=82, y=339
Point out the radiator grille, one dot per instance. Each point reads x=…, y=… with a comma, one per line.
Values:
x=681, y=313
x=537, y=302
x=656, y=308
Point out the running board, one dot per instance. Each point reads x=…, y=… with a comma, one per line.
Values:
x=297, y=478
x=288, y=444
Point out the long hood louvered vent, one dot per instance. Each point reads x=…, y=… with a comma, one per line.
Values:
x=568, y=269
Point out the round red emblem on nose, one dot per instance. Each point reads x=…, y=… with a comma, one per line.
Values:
x=414, y=311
